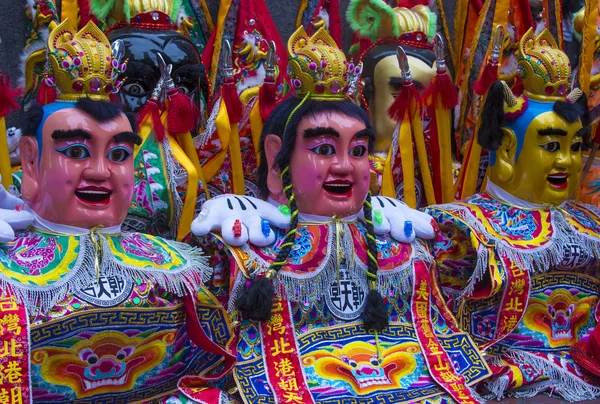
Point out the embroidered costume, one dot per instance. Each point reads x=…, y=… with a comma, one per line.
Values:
x=518, y=263
x=314, y=345
x=105, y=315
x=329, y=311
x=90, y=313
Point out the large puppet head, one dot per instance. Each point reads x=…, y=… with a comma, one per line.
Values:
x=316, y=145
x=315, y=157
x=387, y=28
x=536, y=139
x=147, y=28
x=76, y=152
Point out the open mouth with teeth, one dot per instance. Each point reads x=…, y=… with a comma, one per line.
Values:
x=338, y=188
x=558, y=180
x=94, y=195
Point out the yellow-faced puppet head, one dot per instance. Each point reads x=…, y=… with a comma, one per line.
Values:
x=387, y=28
x=536, y=140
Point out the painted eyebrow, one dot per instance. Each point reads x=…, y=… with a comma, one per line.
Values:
x=552, y=132
x=396, y=82
x=320, y=131
x=127, y=137
x=580, y=132
x=365, y=133
x=71, y=134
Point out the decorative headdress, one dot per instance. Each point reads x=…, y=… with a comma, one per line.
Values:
x=81, y=64
x=546, y=72
x=78, y=64
x=318, y=69
x=544, y=68
x=145, y=14
x=376, y=20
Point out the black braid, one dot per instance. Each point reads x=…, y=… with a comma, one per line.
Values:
x=375, y=314
x=290, y=237
x=256, y=302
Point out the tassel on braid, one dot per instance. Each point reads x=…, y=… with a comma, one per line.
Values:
x=375, y=314
x=256, y=302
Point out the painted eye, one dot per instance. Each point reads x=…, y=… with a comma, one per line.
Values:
x=75, y=152
x=122, y=355
x=576, y=147
x=353, y=363
x=183, y=89
x=358, y=151
x=92, y=359
x=374, y=362
x=551, y=147
x=324, y=150
x=135, y=89
x=118, y=154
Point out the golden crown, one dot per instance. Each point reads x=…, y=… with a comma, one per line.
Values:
x=81, y=64
x=544, y=68
x=318, y=68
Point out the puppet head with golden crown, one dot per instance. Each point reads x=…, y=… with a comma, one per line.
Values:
x=315, y=150
x=76, y=153
x=381, y=30
x=536, y=140
x=147, y=28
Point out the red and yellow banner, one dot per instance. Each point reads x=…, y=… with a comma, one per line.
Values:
x=14, y=353
x=439, y=363
x=282, y=359
x=514, y=301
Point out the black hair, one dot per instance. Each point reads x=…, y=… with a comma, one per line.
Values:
x=256, y=301
x=31, y=119
x=102, y=111
x=374, y=55
x=492, y=116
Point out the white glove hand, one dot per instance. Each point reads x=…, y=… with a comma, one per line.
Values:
x=240, y=219
x=11, y=219
x=403, y=223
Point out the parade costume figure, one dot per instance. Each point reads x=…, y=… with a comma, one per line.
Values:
x=315, y=327
x=88, y=312
x=519, y=261
x=167, y=88
x=379, y=30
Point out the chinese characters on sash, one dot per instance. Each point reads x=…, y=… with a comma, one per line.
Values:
x=514, y=301
x=439, y=363
x=281, y=357
x=14, y=353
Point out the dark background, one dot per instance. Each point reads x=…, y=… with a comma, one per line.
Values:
x=13, y=22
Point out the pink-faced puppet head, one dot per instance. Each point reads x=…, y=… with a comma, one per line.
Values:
x=77, y=161
x=323, y=153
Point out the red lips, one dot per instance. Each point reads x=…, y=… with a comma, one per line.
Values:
x=558, y=180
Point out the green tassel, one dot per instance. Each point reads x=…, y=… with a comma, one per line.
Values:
x=101, y=8
x=366, y=16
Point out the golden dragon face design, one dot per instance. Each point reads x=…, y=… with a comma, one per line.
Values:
x=560, y=316
x=108, y=362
